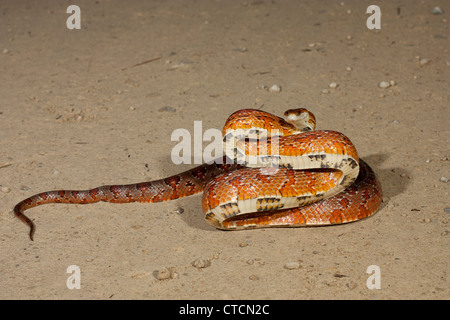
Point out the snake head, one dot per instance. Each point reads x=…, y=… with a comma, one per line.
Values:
x=301, y=118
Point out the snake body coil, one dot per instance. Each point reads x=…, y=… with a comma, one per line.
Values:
x=288, y=175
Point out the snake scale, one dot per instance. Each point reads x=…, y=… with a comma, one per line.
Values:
x=283, y=174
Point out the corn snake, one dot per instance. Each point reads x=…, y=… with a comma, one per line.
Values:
x=313, y=178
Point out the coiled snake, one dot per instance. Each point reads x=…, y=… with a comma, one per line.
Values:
x=287, y=175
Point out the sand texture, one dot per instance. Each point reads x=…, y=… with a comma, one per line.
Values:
x=97, y=106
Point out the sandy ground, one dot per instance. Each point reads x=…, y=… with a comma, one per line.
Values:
x=84, y=108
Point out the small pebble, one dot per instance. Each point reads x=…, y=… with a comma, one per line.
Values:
x=325, y=91
x=5, y=189
x=427, y=220
x=167, y=108
x=201, y=263
x=351, y=285
x=292, y=265
x=424, y=61
x=437, y=10
x=447, y=210
x=178, y=210
x=392, y=83
x=166, y=273
x=180, y=65
x=261, y=263
x=348, y=69
x=132, y=108
x=333, y=85
x=244, y=244
x=275, y=88
x=339, y=275
x=5, y=51
x=384, y=84
x=253, y=277
x=443, y=179
x=216, y=255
